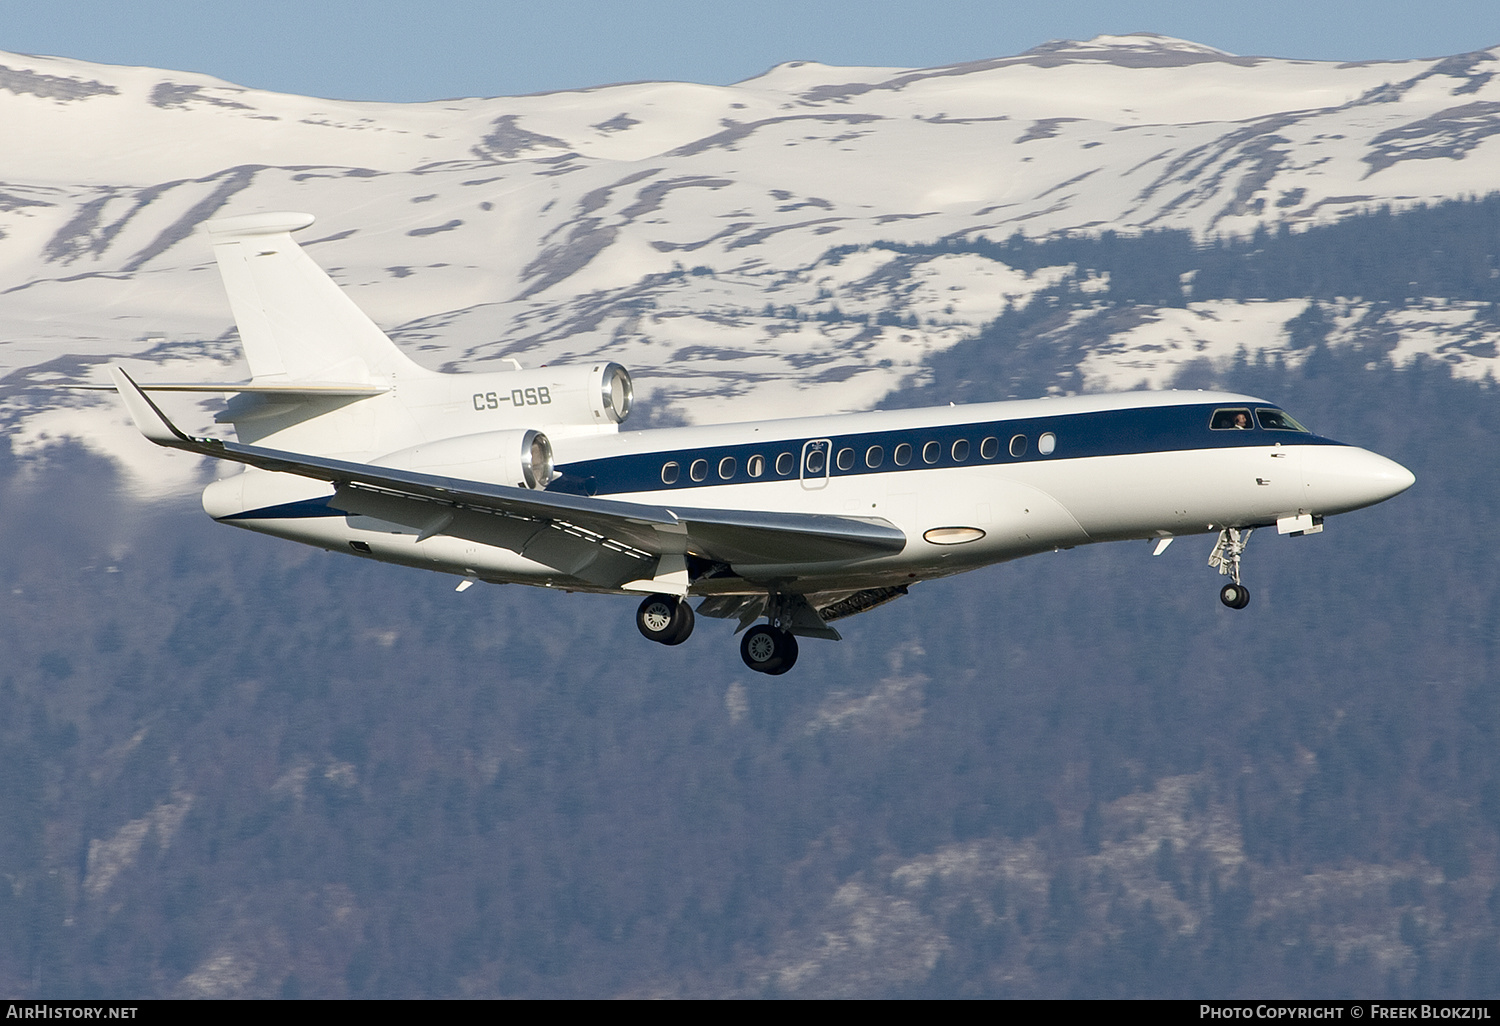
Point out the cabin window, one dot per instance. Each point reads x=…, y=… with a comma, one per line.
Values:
x=1234, y=419
x=785, y=464
x=960, y=450
x=874, y=457
x=755, y=466
x=1276, y=420
x=989, y=448
x=902, y=455
x=817, y=459
x=727, y=467
x=930, y=452
x=669, y=472
x=1046, y=444
x=1018, y=446
x=699, y=470
x=846, y=459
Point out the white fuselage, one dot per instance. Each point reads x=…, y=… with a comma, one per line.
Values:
x=978, y=485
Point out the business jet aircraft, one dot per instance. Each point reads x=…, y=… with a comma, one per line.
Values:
x=524, y=476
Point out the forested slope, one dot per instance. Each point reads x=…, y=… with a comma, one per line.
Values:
x=238, y=767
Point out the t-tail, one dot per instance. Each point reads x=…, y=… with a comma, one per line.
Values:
x=296, y=324
x=326, y=380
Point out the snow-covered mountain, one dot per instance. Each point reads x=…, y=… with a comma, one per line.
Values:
x=671, y=225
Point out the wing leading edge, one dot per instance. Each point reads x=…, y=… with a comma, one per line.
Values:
x=602, y=541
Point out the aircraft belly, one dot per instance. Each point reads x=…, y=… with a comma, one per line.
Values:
x=847, y=581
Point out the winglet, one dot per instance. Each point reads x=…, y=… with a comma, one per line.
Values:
x=147, y=415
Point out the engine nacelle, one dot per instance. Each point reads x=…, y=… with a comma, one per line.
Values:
x=597, y=395
x=521, y=458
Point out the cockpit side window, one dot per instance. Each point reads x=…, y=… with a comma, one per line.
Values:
x=1236, y=418
x=1277, y=420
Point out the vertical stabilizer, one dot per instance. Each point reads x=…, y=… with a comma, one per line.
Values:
x=295, y=323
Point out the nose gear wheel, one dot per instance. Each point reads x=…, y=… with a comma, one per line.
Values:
x=1226, y=556
x=1235, y=596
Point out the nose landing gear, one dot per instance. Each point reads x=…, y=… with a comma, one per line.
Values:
x=1226, y=556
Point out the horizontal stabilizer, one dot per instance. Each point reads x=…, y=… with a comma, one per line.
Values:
x=318, y=389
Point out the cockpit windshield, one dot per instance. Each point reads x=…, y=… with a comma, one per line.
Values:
x=1277, y=420
x=1233, y=419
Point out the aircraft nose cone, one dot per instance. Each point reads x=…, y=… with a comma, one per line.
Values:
x=1340, y=478
x=1397, y=477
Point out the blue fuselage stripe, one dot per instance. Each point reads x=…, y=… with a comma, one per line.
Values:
x=1077, y=435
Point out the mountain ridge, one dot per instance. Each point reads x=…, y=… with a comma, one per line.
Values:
x=670, y=226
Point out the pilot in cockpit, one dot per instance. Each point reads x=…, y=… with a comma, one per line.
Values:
x=1232, y=420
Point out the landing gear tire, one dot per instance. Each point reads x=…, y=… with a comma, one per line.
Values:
x=768, y=649
x=1235, y=596
x=665, y=619
x=789, y=657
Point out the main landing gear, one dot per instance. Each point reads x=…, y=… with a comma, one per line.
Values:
x=665, y=619
x=768, y=649
x=1226, y=556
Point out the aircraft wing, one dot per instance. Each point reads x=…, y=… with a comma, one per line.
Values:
x=602, y=541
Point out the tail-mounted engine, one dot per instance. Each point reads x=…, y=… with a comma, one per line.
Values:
x=520, y=458
x=591, y=396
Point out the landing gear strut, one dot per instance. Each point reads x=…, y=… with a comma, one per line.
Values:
x=768, y=649
x=665, y=619
x=1226, y=556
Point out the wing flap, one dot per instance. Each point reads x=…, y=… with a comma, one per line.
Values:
x=565, y=548
x=741, y=537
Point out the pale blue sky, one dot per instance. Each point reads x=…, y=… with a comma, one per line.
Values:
x=392, y=50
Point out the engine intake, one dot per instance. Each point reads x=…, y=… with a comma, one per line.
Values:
x=521, y=458
x=617, y=391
